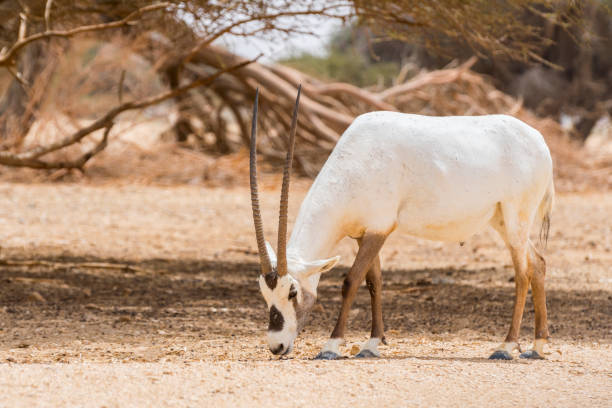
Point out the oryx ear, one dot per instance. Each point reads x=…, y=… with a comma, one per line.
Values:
x=321, y=266
x=271, y=254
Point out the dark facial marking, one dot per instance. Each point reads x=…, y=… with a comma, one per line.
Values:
x=271, y=279
x=292, y=292
x=276, y=320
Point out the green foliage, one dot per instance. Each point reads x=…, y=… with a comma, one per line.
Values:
x=90, y=53
x=345, y=62
x=345, y=66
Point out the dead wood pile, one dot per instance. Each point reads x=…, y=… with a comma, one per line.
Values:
x=328, y=108
x=222, y=107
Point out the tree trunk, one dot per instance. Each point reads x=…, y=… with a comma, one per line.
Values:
x=182, y=127
x=19, y=104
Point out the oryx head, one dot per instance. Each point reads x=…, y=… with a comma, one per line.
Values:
x=285, y=283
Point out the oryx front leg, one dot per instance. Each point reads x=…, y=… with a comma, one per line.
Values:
x=368, y=251
x=374, y=283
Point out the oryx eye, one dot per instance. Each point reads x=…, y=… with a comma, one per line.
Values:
x=292, y=292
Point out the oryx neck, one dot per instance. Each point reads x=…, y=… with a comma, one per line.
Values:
x=315, y=233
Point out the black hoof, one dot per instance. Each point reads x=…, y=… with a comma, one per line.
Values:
x=532, y=355
x=327, y=355
x=366, y=354
x=500, y=355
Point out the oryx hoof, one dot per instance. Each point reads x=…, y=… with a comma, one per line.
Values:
x=500, y=355
x=327, y=355
x=532, y=355
x=365, y=353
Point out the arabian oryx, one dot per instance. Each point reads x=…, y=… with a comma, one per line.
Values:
x=439, y=178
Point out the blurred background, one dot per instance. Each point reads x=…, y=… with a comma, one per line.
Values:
x=162, y=92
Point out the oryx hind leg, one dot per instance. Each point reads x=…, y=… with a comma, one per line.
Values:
x=367, y=254
x=513, y=221
x=537, y=266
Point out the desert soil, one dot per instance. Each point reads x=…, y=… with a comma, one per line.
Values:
x=128, y=295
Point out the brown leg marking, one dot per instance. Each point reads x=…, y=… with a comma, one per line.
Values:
x=374, y=282
x=539, y=293
x=521, y=280
x=537, y=265
x=368, y=252
x=366, y=262
x=522, y=276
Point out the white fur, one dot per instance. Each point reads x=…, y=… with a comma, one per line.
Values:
x=538, y=346
x=438, y=178
x=286, y=337
x=279, y=298
x=372, y=346
x=333, y=345
x=509, y=346
x=271, y=254
x=303, y=276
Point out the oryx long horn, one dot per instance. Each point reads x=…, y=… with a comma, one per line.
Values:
x=284, y=200
x=264, y=260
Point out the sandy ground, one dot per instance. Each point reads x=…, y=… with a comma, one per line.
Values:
x=128, y=295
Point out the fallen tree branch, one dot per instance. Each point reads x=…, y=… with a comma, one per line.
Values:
x=30, y=158
x=434, y=77
x=361, y=94
x=67, y=164
x=218, y=58
x=319, y=90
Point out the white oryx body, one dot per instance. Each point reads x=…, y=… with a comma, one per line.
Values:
x=439, y=178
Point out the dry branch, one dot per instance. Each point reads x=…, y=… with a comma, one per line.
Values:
x=326, y=109
x=7, y=56
x=438, y=77
x=31, y=157
x=78, y=163
x=77, y=265
x=219, y=58
x=361, y=94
